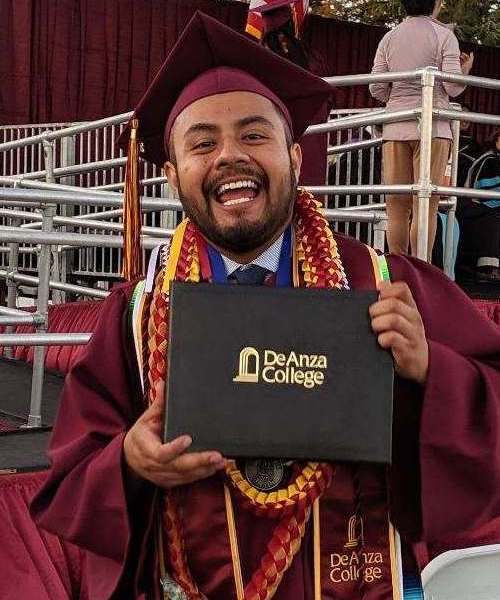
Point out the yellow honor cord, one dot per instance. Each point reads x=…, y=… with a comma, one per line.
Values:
x=173, y=257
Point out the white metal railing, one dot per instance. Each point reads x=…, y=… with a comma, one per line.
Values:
x=48, y=195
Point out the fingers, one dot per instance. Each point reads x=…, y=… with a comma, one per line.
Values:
x=395, y=323
x=167, y=465
x=392, y=340
x=191, y=467
x=396, y=289
x=396, y=320
x=396, y=308
x=157, y=455
x=197, y=460
x=183, y=467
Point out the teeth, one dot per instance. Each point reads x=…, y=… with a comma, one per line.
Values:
x=235, y=185
x=237, y=201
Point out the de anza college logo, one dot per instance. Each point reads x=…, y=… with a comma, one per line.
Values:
x=272, y=367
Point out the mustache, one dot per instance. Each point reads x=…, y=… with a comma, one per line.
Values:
x=210, y=186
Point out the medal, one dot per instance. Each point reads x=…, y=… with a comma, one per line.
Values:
x=264, y=473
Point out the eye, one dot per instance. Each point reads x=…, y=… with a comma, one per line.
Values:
x=254, y=136
x=204, y=145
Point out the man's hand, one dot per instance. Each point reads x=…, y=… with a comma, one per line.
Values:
x=398, y=325
x=165, y=465
x=466, y=62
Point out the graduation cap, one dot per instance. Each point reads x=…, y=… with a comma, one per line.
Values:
x=208, y=59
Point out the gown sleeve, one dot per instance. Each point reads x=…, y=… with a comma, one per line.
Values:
x=457, y=414
x=88, y=497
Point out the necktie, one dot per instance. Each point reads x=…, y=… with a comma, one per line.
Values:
x=251, y=275
x=262, y=474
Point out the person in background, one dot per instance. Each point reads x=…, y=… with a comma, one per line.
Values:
x=282, y=28
x=469, y=149
x=281, y=38
x=480, y=219
x=419, y=41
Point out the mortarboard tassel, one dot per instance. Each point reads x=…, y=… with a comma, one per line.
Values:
x=132, y=254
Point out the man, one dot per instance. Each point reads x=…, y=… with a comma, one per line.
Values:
x=480, y=220
x=469, y=149
x=226, y=126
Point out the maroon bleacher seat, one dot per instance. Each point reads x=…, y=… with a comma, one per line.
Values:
x=74, y=317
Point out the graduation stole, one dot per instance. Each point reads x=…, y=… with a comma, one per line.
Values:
x=316, y=263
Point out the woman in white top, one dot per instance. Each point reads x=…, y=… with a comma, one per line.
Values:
x=419, y=41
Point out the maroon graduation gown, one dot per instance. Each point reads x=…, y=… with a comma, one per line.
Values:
x=445, y=476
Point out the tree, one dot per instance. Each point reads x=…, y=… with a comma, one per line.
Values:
x=477, y=22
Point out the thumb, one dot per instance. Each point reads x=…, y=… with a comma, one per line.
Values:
x=155, y=409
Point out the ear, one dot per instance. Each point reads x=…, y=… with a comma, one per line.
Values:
x=171, y=174
x=296, y=158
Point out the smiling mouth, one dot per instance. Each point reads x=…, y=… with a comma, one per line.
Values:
x=238, y=192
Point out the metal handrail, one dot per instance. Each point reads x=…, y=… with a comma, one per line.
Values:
x=4, y=310
x=22, y=195
x=470, y=117
x=390, y=77
x=32, y=281
x=67, y=131
x=373, y=118
x=367, y=78
x=12, y=234
x=44, y=339
x=354, y=146
x=336, y=81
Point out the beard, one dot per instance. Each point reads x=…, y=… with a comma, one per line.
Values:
x=245, y=235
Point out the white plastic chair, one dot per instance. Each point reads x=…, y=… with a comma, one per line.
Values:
x=467, y=574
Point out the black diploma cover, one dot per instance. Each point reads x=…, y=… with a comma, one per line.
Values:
x=278, y=373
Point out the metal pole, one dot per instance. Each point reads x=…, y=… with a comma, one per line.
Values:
x=60, y=133
x=450, y=221
x=103, y=199
x=424, y=183
x=320, y=190
x=45, y=339
x=379, y=229
x=11, y=284
x=14, y=312
x=55, y=285
x=27, y=320
x=67, y=159
x=365, y=144
x=48, y=150
x=365, y=78
x=71, y=239
x=48, y=212
x=374, y=118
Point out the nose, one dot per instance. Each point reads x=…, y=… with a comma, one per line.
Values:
x=231, y=153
